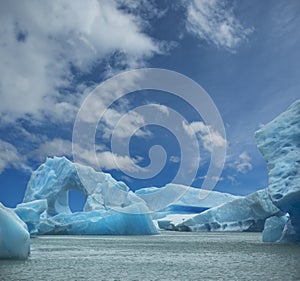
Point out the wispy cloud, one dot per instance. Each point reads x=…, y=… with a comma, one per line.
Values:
x=43, y=40
x=242, y=164
x=209, y=138
x=54, y=147
x=174, y=159
x=11, y=158
x=104, y=159
x=43, y=46
x=214, y=21
x=122, y=124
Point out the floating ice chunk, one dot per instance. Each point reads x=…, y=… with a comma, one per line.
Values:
x=98, y=223
x=111, y=208
x=243, y=214
x=14, y=237
x=192, y=200
x=170, y=221
x=30, y=213
x=279, y=142
x=273, y=228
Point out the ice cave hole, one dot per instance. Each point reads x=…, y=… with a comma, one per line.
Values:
x=77, y=200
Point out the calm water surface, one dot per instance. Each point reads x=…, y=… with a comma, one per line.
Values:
x=169, y=256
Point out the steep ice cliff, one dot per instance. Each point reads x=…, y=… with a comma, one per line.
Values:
x=279, y=143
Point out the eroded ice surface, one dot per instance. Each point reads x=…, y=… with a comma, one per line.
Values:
x=30, y=213
x=111, y=208
x=193, y=201
x=279, y=143
x=273, y=228
x=14, y=237
x=243, y=214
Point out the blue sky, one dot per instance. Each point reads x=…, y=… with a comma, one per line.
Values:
x=245, y=54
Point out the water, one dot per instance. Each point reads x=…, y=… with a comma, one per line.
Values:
x=169, y=256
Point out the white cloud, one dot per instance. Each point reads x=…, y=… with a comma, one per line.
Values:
x=54, y=147
x=215, y=22
x=162, y=108
x=41, y=39
x=232, y=179
x=11, y=158
x=210, y=138
x=111, y=161
x=106, y=159
x=242, y=164
x=174, y=159
x=129, y=122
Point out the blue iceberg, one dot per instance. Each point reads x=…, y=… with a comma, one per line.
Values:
x=110, y=208
x=274, y=227
x=242, y=214
x=279, y=143
x=14, y=237
x=193, y=201
x=30, y=213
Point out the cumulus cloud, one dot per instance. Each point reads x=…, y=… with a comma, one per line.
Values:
x=11, y=158
x=242, y=164
x=106, y=160
x=54, y=147
x=215, y=22
x=111, y=161
x=209, y=138
x=43, y=44
x=101, y=159
x=42, y=40
x=123, y=124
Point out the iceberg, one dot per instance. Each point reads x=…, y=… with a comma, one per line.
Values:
x=30, y=214
x=243, y=214
x=110, y=208
x=14, y=237
x=98, y=223
x=273, y=228
x=193, y=201
x=279, y=143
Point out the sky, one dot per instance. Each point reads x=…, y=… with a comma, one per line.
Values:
x=53, y=54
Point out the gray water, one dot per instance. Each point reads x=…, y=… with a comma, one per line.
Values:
x=169, y=256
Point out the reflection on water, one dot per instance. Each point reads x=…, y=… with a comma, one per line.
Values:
x=169, y=256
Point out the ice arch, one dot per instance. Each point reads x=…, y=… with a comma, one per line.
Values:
x=53, y=180
x=111, y=208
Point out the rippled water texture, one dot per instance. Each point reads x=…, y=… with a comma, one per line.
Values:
x=169, y=256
